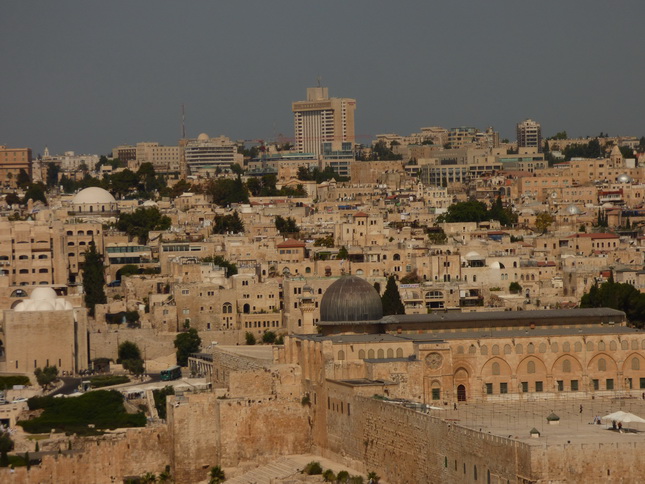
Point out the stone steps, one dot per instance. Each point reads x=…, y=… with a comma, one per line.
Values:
x=280, y=469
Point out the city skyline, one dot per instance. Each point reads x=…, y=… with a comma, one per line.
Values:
x=88, y=79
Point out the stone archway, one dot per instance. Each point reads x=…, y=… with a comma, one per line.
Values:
x=461, y=393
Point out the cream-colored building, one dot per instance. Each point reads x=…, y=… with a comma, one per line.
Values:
x=322, y=119
x=12, y=160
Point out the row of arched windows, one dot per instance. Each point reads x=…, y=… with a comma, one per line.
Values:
x=555, y=347
x=378, y=354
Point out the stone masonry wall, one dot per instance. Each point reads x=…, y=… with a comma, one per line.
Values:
x=106, y=459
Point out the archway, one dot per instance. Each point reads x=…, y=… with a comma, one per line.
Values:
x=247, y=309
x=461, y=393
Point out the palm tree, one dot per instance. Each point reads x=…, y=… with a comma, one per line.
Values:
x=216, y=475
x=373, y=478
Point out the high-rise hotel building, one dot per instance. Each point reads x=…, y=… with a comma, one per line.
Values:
x=322, y=119
x=529, y=135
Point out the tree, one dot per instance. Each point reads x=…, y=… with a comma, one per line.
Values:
x=621, y=296
x=216, y=475
x=343, y=253
x=391, y=299
x=373, y=478
x=129, y=351
x=223, y=224
x=12, y=199
x=136, y=367
x=286, y=225
x=52, y=174
x=23, y=180
x=46, y=376
x=471, y=211
x=160, y=397
x=143, y=220
x=498, y=212
x=269, y=337
x=93, y=279
x=218, y=260
x=543, y=221
x=6, y=446
x=515, y=288
x=327, y=241
x=187, y=343
x=226, y=191
x=35, y=192
x=250, y=338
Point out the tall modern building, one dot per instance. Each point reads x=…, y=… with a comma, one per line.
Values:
x=322, y=119
x=529, y=134
x=206, y=156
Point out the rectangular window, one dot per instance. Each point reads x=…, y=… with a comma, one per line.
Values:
x=489, y=388
x=609, y=384
x=503, y=388
x=574, y=385
x=539, y=386
x=525, y=387
x=349, y=409
x=629, y=383
x=436, y=393
x=560, y=385
x=596, y=384
x=642, y=380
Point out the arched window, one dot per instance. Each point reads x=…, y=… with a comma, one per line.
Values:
x=636, y=363
x=399, y=352
x=227, y=308
x=601, y=346
x=496, y=349
x=589, y=345
x=390, y=353
x=472, y=350
x=380, y=354
x=23, y=257
x=495, y=368
x=519, y=349
x=307, y=270
x=484, y=350
x=530, y=367
x=566, y=366
x=341, y=355
x=624, y=345
x=396, y=257
x=507, y=349
x=530, y=348
x=361, y=354
x=542, y=348
x=643, y=345
x=613, y=346
x=370, y=354
x=602, y=365
x=577, y=347
x=634, y=344
x=18, y=293
x=460, y=350
x=566, y=347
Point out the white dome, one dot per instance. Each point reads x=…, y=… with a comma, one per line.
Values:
x=93, y=195
x=624, y=178
x=496, y=265
x=149, y=203
x=43, y=294
x=41, y=306
x=203, y=137
x=573, y=210
x=21, y=306
x=473, y=256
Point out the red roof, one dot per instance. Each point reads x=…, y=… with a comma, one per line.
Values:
x=594, y=236
x=360, y=214
x=290, y=243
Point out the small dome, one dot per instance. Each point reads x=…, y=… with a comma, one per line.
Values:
x=93, y=195
x=43, y=294
x=573, y=209
x=351, y=298
x=203, y=137
x=149, y=203
x=497, y=265
x=21, y=306
x=473, y=256
x=624, y=178
x=42, y=305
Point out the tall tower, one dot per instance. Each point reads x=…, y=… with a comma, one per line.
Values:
x=529, y=134
x=322, y=119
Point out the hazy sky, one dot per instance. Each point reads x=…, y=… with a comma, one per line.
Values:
x=88, y=76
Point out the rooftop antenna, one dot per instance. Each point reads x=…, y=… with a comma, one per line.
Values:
x=319, y=79
x=183, y=123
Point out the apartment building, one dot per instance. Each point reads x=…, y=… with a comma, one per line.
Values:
x=12, y=160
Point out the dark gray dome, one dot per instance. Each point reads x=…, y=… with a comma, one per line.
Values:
x=351, y=298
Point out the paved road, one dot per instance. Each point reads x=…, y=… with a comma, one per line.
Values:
x=69, y=385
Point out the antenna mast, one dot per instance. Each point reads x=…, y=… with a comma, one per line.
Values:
x=183, y=123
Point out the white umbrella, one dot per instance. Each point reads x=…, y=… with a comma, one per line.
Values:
x=624, y=417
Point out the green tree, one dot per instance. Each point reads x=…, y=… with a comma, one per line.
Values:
x=6, y=446
x=343, y=253
x=129, y=351
x=35, y=192
x=160, y=397
x=391, y=299
x=269, y=337
x=498, y=212
x=216, y=475
x=143, y=220
x=46, y=376
x=373, y=478
x=621, y=296
x=223, y=224
x=187, y=343
x=93, y=279
x=515, y=288
x=226, y=191
x=218, y=260
x=52, y=174
x=471, y=211
x=124, y=183
x=543, y=221
x=327, y=241
x=286, y=225
x=250, y=338
x=23, y=180
x=12, y=199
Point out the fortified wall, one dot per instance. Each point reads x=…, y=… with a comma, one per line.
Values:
x=100, y=460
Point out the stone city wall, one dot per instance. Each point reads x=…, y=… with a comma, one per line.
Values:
x=106, y=459
x=151, y=343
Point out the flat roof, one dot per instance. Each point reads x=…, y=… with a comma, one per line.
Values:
x=458, y=317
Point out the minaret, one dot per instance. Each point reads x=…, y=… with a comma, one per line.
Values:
x=616, y=159
x=307, y=307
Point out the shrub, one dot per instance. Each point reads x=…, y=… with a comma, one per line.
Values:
x=103, y=409
x=108, y=380
x=250, y=338
x=329, y=476
x=313, y=469
x=342, y=477
x=160, y=399
x=269, y=337
x=7, y=382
